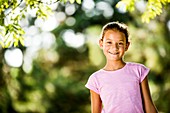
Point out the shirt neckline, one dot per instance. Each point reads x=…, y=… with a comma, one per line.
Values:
x=115, y=70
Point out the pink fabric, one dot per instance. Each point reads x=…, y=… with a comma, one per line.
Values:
x=119, y=90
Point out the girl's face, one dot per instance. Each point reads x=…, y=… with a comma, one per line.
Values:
x=114, y=45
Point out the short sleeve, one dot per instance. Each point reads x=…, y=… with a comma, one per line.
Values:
x=143, y=72
x=92, y=84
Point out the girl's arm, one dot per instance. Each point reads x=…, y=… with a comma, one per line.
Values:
x=149, y=106
x=96, y=103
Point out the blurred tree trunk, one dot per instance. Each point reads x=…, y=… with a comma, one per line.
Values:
x=2, y=81
x=2, y=85
x=5, y=99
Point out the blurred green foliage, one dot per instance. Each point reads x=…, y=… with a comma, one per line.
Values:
x=52, y=78
x=13, y=11
x=153, y=8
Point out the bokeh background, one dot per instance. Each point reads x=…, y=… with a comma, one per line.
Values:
x=48, y=74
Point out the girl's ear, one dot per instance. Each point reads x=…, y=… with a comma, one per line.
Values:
x=101, y=43
x=127, y=46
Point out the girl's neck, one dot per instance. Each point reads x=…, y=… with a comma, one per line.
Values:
x=113, y=66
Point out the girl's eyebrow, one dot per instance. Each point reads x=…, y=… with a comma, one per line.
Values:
x=108, y=39
x=111, y=40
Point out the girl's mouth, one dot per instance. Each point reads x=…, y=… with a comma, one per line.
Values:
x=114, y=53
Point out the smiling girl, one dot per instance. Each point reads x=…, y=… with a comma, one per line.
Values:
x=119, y=87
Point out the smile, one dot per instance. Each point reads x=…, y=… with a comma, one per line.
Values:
x=114, y=53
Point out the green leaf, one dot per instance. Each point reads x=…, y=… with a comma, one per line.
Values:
x=72, y=1
x=2, y=44
x=21, y=39
x=78, y=1
x=16, y=43
x=7, y=44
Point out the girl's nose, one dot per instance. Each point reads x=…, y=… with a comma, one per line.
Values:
x=115, y=46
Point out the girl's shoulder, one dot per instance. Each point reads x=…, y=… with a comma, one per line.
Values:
x=140, y=70
x=137, y=67
x=96, y=73
x=134, y=64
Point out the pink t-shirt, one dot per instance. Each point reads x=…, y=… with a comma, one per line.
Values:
x=119, y=90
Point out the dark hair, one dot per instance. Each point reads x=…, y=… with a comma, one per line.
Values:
x=121, y=27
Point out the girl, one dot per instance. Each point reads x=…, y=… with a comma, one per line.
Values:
x=120, y=87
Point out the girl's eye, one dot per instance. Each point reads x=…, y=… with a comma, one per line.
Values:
x=120, y=43
x=109, y=42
